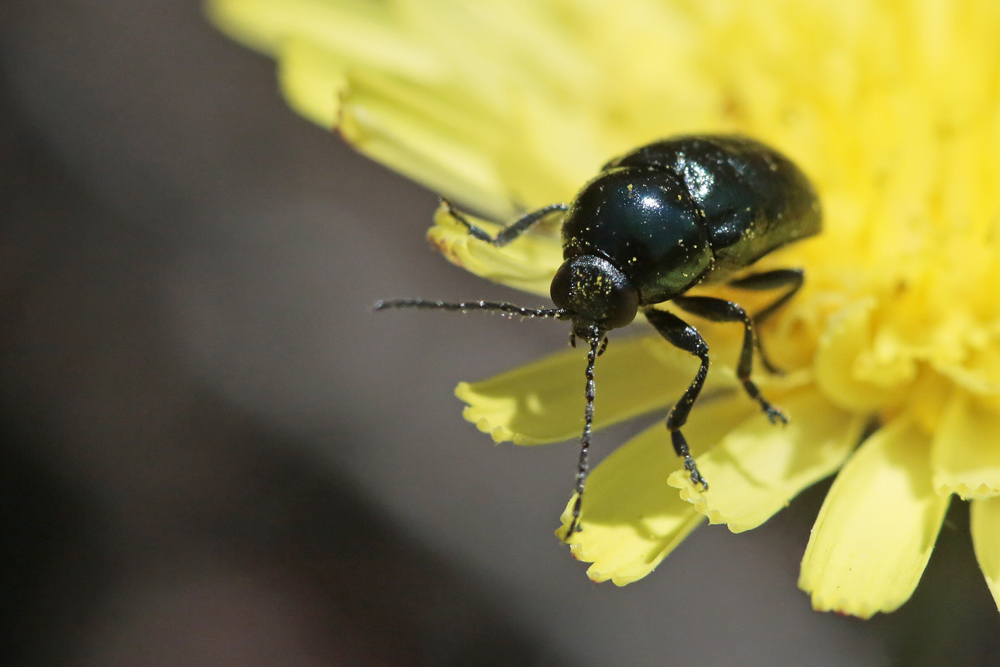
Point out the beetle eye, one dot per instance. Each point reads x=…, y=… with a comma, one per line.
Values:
x=595, y=291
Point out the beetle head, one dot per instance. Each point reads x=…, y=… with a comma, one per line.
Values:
x=597, y=295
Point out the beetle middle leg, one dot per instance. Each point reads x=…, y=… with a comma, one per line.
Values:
x=720, y=310
x=682, y=335
x=508, y=233
x=766, y=281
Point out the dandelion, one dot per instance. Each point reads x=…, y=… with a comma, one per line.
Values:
x=892, y=346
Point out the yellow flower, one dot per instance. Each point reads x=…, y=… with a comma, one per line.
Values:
x=892, y=108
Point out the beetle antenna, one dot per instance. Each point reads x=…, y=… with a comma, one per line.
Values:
x=596, y=347
x=466, y=306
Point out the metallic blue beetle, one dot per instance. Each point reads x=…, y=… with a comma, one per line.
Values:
x=654, y=223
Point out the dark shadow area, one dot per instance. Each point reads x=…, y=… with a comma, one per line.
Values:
x=50, y=566
x=146, y=522
x=951, y=618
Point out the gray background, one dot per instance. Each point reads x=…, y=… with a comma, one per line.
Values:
x=215, y=454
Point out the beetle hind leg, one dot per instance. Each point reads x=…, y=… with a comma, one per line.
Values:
x=792, y=279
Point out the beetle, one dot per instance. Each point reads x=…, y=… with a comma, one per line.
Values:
x=656, y=221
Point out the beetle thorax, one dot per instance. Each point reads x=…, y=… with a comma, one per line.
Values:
x=644, y=222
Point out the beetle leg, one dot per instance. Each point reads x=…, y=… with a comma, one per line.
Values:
x=508, y=233
x=719, y=310
x=769, y=280
x=685, y=337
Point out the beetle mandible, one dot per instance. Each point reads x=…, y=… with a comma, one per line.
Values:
x=654, y=223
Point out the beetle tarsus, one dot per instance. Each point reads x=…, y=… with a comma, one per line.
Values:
x=694, y=473
x=774, y=413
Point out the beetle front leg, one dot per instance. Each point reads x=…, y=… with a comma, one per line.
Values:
x=719, y=310
x=685, y=337
x=508, y=233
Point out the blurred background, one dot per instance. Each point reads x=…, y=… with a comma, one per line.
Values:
x=214, y=453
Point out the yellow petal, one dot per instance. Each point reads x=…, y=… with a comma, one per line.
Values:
x=631, y=519
x=364, y=34
x=381, y=120
x=965, y=456
x=877, y=527
x=845, y=370
x=543, y=402
x=358, y=67
x=527, y=263
x=985, y=526
x=758, y=467
x=312, y=80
